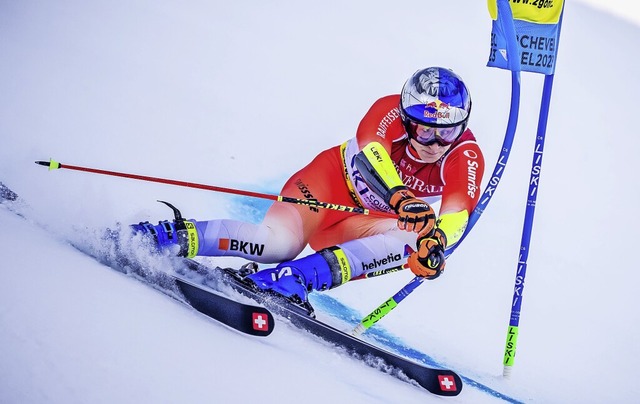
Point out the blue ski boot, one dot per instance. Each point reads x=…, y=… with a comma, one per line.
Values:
x=295, y=279
x=167, y=235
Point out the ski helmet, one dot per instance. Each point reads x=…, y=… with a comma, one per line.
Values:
x=435, y=105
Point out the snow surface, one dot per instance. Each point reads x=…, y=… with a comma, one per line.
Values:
x=241, y=95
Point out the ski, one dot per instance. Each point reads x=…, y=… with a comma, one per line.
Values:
x=443, y=382
x=259, y=321
x=249, y=319
x=246, y=318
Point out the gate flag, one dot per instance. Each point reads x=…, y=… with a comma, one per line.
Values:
x=536, y=24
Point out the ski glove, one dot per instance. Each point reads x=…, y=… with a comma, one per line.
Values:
x=415, y=215
x=429, y=261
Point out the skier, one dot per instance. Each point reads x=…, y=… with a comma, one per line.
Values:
x=410, y=151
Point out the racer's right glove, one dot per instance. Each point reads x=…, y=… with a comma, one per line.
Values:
x=414, y=215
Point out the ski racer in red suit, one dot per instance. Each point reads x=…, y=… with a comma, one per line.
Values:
x=411, y=150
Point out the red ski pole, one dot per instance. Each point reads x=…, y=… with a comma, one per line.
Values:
x=54, y=165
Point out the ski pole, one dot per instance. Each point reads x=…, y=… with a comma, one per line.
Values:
x=386, y=307
x=54, y=165
x=374, y=274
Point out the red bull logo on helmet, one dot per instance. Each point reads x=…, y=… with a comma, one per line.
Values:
x=437, y=110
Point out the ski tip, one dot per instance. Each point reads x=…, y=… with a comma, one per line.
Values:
x=449, y=384
x=52, y=164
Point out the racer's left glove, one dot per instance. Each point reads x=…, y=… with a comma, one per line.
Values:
x=429, y=260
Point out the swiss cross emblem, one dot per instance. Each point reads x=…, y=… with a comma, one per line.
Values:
x=260, y=322
x=447, y=383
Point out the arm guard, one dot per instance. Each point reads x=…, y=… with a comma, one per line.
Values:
x=453, y=226
x=377, y=169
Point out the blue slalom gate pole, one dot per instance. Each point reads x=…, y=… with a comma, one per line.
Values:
x=534, y=181
x=536, y=167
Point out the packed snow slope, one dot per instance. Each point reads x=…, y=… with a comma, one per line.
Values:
x=242, y=95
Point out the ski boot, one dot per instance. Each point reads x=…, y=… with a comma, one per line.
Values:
x=179, y=236
x=295, y=279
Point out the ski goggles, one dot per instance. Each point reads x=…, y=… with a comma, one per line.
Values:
x=427, y=135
